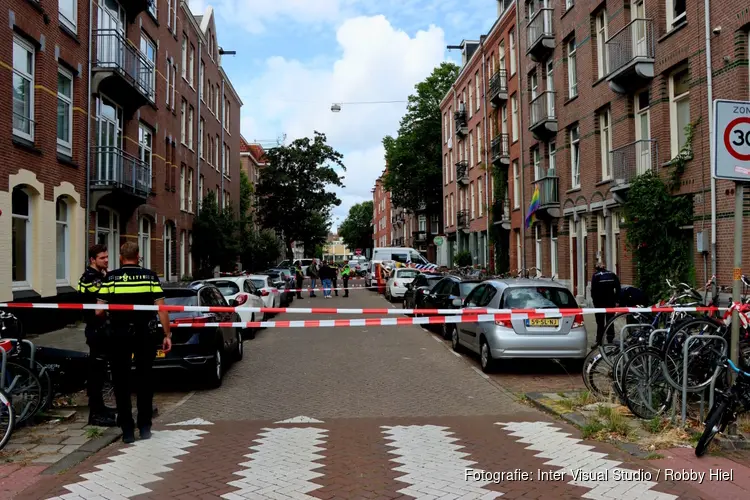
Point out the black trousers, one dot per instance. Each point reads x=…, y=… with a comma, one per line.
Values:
x=97, y=369
x=601, y=323
x=135, y=346
x=299, y=287
x=345, y=279
x=334, y=281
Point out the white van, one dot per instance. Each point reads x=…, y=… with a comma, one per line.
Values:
x=395, y=254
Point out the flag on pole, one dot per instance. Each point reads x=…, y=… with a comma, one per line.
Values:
x=530, y=216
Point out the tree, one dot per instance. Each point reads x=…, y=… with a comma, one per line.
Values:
x=315, y=231
x=292, y=188
x=356, y=230
x=415, y=157
x=214, y=237
x=263, y=250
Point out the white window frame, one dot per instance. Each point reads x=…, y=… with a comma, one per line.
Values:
x=512, y=43
x=469, y=107
x=575, y=157
x=422, y=227
x=146, y=42
x=216, y=154
x=675, y=130
x=514, y=118
x=201, y=76
x=201, y=130
x=552, y=153
x=553, y=257
x=153, y=9
x=183, y=69
x=191, y=115
x=601, y=47
x=183, y=121
x=672, y=20
x=536, y=159
x=71, y=24
x=168, y=77
x=29, y=77
x=143, y=148
x=169, y=14
x=63, y=146
x=190, y=190
x=144, y=241
x=182, y=253
x=504, y=119
x=477, y=91
x=471, y=149
x=66, y=244
x=538, y=248
x=501, y=56
x=479, y=143
x=569, y=4
x=516, y=186
x=183, y=174
x=201, y=180
x=572, y=69
x=191, y=62
x=518, y=250
x=605, y=143
x=473, y=200
x=480, y=192
x=29, y=225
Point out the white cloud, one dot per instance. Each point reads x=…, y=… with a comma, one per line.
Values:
x=377, y=63
x=255, y=15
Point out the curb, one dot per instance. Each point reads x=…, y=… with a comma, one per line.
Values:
x=109, y=436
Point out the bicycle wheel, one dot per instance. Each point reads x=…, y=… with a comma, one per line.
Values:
x=42, y=372
x=621, y=361
x=703, y=355
x=715, y=424
x=645, y=390
x=24, y=389
x=7, y=419
x=615, y=325
x=597, y=372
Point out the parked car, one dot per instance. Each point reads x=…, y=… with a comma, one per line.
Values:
x=270, y=294
x=303, y=264
x=417, y=289
x=283, y=285
x=243, y=292
x=396, y=286
x=449, y=293
x=521, y=338
x=203, y=351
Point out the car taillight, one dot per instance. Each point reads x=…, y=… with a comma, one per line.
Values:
x=198, y=319
x=504, y=322
x=395, y=283
x=578, y=321
x=241, y=299
x=264, y=292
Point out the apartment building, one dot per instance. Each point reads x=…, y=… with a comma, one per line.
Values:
x=381, y=214
x=609, y=88
x=163, y=131
x=252, y=160
x=481, y=145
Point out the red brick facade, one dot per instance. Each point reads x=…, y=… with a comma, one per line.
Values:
x=381, y=215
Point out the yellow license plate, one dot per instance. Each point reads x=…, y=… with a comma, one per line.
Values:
x=159, y=354
x=548, y=322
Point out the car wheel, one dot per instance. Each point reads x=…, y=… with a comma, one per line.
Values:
x=388, y=295
x=485, y=357
x=457, y=347
x=216, y=369
x=448, y=329
x=240, y=350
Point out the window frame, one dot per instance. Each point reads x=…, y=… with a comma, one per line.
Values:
x=145, y=249
x=191, y=62
x=514, y=118
x=30, y=78
x=672, y=20
x=189, y=189
x=201, y=76
x=191, y=118
x=65, y=280
x=575, y=157
x=552, y=156
x=201, y=130
x=674, y=130
x=536, y=161
x=71, y=24
x=149, y=43
x=143, y=149
x=25, y=284
x=512, y=45
x=605, y=143
x=538, y=248
x=183, y=60
x=553, y=258
x=183, y=198
x=572, y=51
x=480, y=192
x=66, y=147
x=516, y=186
x=602, y=32
x=183, y=122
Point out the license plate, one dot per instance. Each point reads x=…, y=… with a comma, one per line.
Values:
x=543, y=322
x=159, y=354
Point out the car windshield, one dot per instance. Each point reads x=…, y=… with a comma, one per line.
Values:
x=227, y=288
x=182, y=300
x=259, y=283
x=306, y=262
x=407, y=273
x=433, y=280
x=539, y=297
x=466, y=288
x=285, y=263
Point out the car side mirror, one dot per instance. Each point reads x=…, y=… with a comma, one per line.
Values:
x=457, y=302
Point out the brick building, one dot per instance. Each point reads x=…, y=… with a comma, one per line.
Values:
x=164, y=130
x=381, y=215
x=608, y=89
x=252, y=160
x=481, y=132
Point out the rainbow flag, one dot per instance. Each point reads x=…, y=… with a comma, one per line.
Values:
x=530, y=216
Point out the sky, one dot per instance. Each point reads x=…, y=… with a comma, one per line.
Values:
x=295, y=58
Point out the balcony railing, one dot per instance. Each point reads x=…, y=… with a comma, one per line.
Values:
x=630, y=52
x=422, y=206
x=500, y=149
x=462, y=219
x=549, y=194
x=542, y=108
x=461, y=126
x=420, y=236
x=632, y=160
x=462, y=172
x=116, y=53
x=540, y=36
x=498, y=87
x=117, y=169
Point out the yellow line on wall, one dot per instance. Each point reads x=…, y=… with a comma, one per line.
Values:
x=45, y=89
x=80, y=110
x=131, y=236
x=6, y=66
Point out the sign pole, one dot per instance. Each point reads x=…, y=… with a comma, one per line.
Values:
x=734, y=347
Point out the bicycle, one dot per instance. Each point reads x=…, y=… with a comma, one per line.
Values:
x=23, y=387
x=7, y=419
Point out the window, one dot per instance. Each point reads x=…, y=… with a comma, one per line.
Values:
x=200, y=189
x=512, y=39
x=605, y=143
x=227, y=107
x=434, y=224
x=229, y=155
x=62, y=237
x=479, y=195
x=572, y=75
x=533, y=85
x=518, y=249
x=201, y=128
x=575, y=158
x=22, y=238
x=679, y=108
x=168, y=76
x=174, y=83
x=538, y=249
x=216, y=100
x=190, y=128
x=144, y=241
x=473, y=200
x=471, y=149
x=216, y=153
x=601, y=47
x=190, y=190
x=514, y=123
x=183, y=125
x=64, y=112
x=445, y=128
x=552, y=151
x=174, y=15
x=675, y=13
x=501, y=56
x=23, y=89
x=183, y=68
x=479, y=143
x=201, y=77
x=477, y=92
x=537, y=161
x=191, y=68
x=69, y=14
x=210, y=93
x=516, y=186
x=182, y=263
x=504, y=119
x=152, y=8
x=569, y=4
x=148, y=49
x=170, y=8
x=453, y=210
x=182, y=187
x=145, y=149
x=553, y=250
x=422, y=223
x=471, y=98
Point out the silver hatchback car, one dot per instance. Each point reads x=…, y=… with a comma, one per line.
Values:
x=521, y=338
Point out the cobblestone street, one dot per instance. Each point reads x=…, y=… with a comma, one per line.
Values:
x=354, y=413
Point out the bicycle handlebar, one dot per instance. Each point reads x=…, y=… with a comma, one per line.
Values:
x=735, y=368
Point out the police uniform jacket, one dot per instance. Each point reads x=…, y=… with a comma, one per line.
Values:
x=131, y=284
x=605, y=289
x=88, y=286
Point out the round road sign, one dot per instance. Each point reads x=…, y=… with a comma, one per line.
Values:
x=737, y=138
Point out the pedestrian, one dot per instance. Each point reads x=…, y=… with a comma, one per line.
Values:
x=313, y=273
x=131, y=340
x=300, y=279
x=325, y=277
x=345, y=278
x=335, y=278
x=96, y=337
x=605, y=292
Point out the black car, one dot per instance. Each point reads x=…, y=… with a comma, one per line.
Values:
x=280, y=279
x=417, y=289
x=449, y=293
x=203, y=351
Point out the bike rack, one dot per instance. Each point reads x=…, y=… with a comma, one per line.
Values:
x=626, y=327
x=651, y=335
x=725, y=346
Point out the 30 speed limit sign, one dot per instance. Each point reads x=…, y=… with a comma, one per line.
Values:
x=731, y=138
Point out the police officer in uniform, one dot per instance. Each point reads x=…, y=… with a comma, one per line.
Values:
x=96, y=337
x=132, y=340
x=299, y=279
x=345, y=278
x=335, y=277
x=605, y=292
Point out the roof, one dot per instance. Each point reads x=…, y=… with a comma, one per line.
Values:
x=255, y=150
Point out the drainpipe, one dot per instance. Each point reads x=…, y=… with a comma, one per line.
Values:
x=454, y=141
x=486, y=158
x=522, y=175
x=710, y=94
x=88, y=136
x=197, y=186
x=223, y=149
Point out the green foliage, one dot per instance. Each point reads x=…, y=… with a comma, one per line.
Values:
x=215, y=240
x=679, y=162
x=246, y=195
x=356, y=230
x=414, y=157
x=661, y=250
x=500, y=237
x=292, y=195
x=263, y=250
x=463, y=259
x=315, y=231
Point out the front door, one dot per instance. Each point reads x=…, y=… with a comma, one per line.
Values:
x=108, y=142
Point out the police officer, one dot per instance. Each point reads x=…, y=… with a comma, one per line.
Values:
x=300, y=279
x=96, y=333
x=345, y=278
x=335, y=277
x=605, y=292
x=132, y=339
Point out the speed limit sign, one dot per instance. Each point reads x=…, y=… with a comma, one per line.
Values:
x=731, y=138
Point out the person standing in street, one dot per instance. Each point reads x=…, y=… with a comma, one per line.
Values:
x=312, y=272
x=300, y=279
x=325, y=278
x=605, y=292
x=335, y=278
x=96, y=337
x=132, y=340
x=345, y=279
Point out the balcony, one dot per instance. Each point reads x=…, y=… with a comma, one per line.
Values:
x=397, y=219
x=135, y=7
x=542, y=116
x=498, y=88
x=398, y=242
x=549, y=195
x=630, y=56
x=462, y=220
x=500, y=150
x=630, y=161
x=462, y=127
x=501, y=213
x=120, y=174
x=421, y=206
x=540, y=36
x=121, y=71
x=420, y=236
x=462, y=172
